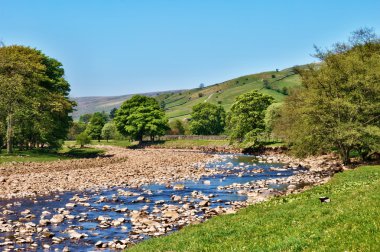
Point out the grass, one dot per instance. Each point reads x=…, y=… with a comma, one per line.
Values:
x=184, y=143
x=350, y=222
x=45, y=155
x=119, y=143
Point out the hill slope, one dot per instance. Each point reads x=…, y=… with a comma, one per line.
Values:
x=178, y=103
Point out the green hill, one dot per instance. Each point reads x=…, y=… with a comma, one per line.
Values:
x=276, y=84
x=179, y=103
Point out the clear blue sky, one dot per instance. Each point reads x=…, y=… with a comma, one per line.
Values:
x=115, y=47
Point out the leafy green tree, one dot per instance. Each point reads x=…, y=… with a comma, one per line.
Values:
x=113, y=113
x=95, y=126
x=338, y=106
x=85, y=118
x=34, y=97
x=75, y=129
x=272, y=114
x=207, y=119
x=162, y=105
x=177, y=128
x=109, y=131
x=141, y=116
x=83, y=139
x=245, y=121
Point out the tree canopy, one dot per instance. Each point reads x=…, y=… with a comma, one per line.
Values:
x=245, y=121
x=338, y=106
x=95, y=125
x=141, y=116
x=109, y=131
x=207, y=119
x=34, y=99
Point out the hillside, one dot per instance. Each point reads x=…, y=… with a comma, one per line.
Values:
x=93, y=104
x=178, y=103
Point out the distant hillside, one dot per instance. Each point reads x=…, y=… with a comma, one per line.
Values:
x=178, y=103
x=93, y=104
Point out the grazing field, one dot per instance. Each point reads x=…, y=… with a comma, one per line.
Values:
x=350, y=222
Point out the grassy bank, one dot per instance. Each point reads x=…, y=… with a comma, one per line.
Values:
x=119, y=143
x=350, y=222
x=44, y=155
x=185, y=143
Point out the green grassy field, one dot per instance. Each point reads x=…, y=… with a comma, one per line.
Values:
x=350, y=222
x=42, y=155
x=119, y=143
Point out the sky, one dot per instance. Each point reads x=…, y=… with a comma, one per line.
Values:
x=116, y=47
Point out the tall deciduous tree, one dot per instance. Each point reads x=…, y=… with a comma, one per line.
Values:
x=141, y=116
x=33, y=97
x=246, y=119
x=338, y=106
x=207, y=119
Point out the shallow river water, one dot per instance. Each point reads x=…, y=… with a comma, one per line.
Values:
x=112, y=204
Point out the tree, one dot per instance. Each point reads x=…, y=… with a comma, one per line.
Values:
x=141, y=116
x=162, y=104
x=177, y=127
x=75, y=129
x=201, y=86
x=95, y=126
x=33, y=98
x=113, y=113
x=207, y=119
x=83, y=139
x=109, y=131
x=245, y=121
x=338, y=105
x=85, y=118
x=272, y=114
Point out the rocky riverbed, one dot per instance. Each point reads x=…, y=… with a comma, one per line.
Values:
x=112, y=203
x=119, y=167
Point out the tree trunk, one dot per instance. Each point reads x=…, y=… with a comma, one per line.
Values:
x=10, y=134
x=345, y=156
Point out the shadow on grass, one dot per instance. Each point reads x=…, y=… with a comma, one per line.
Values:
x=145, y=144
x=85, y=153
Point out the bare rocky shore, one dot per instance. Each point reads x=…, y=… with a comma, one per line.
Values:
x=120, y=167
